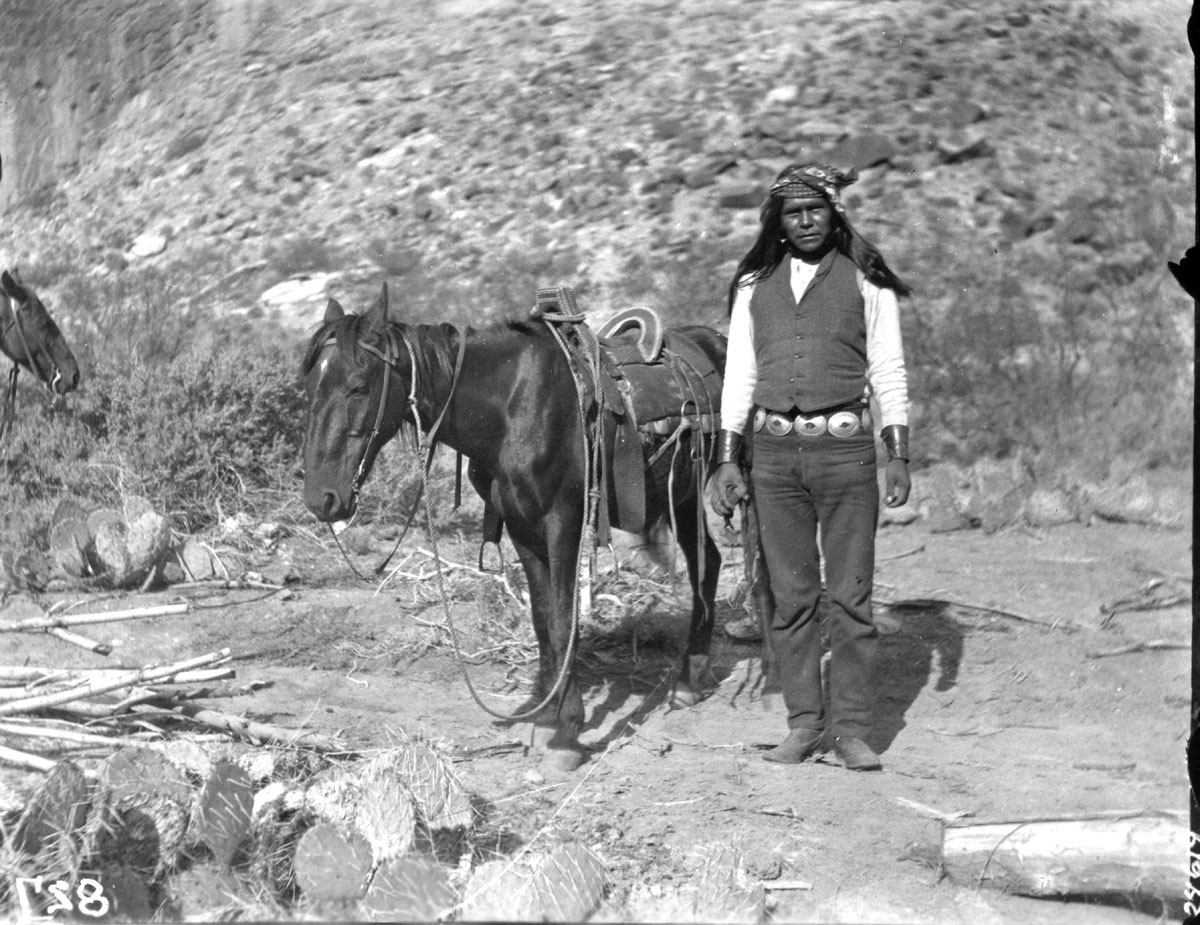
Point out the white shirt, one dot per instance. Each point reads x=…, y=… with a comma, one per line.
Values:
x=887, y=379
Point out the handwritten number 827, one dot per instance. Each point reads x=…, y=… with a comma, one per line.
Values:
x=89, y=896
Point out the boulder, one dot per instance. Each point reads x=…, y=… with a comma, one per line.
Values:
x=963, y=145
x=1050, y=507
x=861, y=151
x=740, y=196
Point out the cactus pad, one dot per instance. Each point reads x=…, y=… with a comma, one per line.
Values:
x=332, y=864
x=411, y=889
x=222, y=816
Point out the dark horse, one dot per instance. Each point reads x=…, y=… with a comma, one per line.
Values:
x=30, y=338
x=514, y=413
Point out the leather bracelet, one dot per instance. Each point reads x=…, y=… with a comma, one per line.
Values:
x=729, y=446
x=895, y=440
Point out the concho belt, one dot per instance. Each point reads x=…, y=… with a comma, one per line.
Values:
x=839, y=424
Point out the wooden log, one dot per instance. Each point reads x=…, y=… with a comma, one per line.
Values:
x=1106, y=854
x=25, y=760
x=76, y=639
x=28, y=674
x=249, y=729
x=82, y=619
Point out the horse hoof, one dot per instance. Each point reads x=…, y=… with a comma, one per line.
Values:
x=565, y=760
x=683, y=696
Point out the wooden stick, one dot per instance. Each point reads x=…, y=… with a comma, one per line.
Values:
x=130, y=679
x=79, y=619
x=21, y=693
x=66, y=735
x=25, y=760
x=901, y=555
x=1052, y=624
x=30, y=673
x=103, y=710
x=931, y=812
x=100, y=648
x=229, y=584
x=259, y=732
x=1138, y=647
x=73, y=681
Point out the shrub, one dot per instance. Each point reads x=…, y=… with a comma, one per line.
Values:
x=1040, y=357
x=208, y=430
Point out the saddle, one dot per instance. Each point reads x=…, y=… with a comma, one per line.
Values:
x=657, y=384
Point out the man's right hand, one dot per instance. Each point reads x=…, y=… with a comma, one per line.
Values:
x=728, y=488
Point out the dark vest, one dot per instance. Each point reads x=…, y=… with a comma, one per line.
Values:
x=811, y=355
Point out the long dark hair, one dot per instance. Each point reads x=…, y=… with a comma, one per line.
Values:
x=771, y=246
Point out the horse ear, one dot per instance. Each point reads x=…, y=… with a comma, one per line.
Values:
x=333, y=311
x=11, y=287
x=383, y=301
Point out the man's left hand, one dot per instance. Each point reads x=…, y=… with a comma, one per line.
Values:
x=896, y=483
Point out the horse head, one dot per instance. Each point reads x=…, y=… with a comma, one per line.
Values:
x=31, y=339
x=348, y=370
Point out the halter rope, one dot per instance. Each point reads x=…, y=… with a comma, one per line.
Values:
x=586, y=536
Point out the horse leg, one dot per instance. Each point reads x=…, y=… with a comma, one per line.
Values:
x=696, y=673
x=551, y=579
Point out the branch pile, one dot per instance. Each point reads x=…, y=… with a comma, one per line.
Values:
x=88, y=707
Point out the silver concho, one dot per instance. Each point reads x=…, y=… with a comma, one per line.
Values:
x=760, y=417
x=810, y=427
x=778, y=424
x=844, y=424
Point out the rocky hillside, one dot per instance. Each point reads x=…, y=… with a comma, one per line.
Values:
x=482, y=149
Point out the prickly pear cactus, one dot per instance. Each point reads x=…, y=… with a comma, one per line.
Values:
x=570, y=883
x=69, y=540
x=51, y=827
x=141, y=811
x=411, y=889
x=564, y=884
x=333, y=796
x=332, y=864
x=222, y=815
x=384, y=813
x=722, y=891
x=440, y=796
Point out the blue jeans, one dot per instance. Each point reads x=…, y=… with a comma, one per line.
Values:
x=801, y=482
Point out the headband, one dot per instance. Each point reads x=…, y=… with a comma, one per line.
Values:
x=813, y=181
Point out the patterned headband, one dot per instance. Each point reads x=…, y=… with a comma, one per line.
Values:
x=811, y=181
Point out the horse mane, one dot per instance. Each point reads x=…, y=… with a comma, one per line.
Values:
x=431, y=344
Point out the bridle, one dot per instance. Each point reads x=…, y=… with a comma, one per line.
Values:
x=389, y=359
x=15, y=322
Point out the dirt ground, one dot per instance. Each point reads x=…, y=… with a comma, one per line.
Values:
x=981, y=711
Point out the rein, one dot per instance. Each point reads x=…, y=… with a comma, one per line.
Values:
x=587, y=534
x=8, y=409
